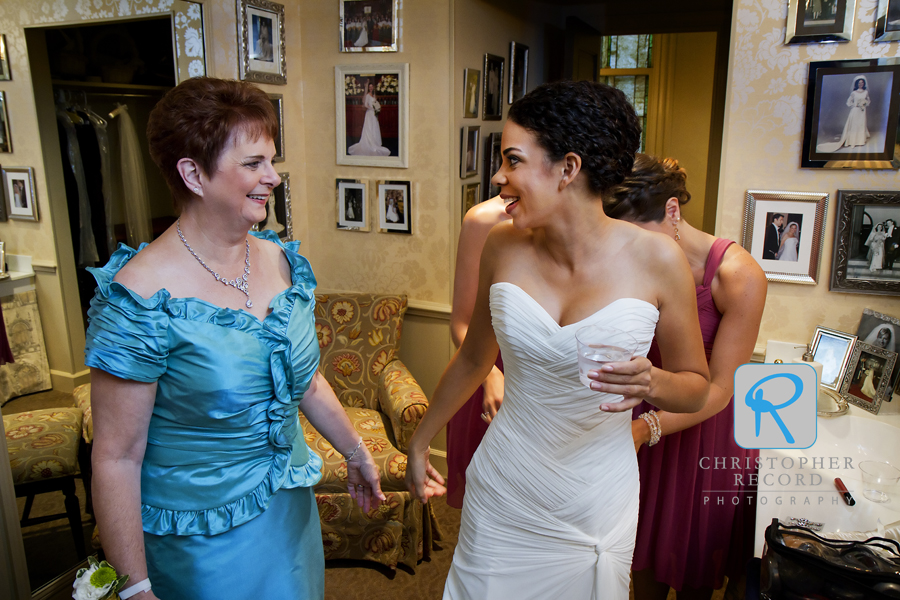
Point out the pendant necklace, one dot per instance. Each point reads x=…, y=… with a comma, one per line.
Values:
x=242, y=284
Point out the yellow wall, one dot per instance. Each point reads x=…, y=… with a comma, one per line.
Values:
x=762, y=144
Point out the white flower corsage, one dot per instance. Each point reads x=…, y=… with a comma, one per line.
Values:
x=98, y=582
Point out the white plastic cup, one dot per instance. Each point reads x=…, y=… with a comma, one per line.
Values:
x=599, y=345
x=878, y=477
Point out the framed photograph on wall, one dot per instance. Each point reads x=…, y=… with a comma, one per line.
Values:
x=819, y=21
x=394, y=207
x=832, y=348
x=261, y=41
x=492, y=161
x=352, y=204
x=470, y=142
x=852, y=115
x=518, y=71
x=369, y=26
x=493, y=87
x=887, y=21
x=471, y=195
x=277, y=101
x=867, y=380
x=18, y=186
x=5, y=137
x=372, y=103
x=278, y=211
x=5, y=73
x=866, y=256
x=471, y=93
x=784, y=232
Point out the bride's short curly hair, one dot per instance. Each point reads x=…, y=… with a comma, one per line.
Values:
x=196, y=119
x=642, y=196
x=593, y=120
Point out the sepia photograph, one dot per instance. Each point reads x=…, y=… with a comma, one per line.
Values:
x=866, y=256
x=472, y=90
x=471, y=193
x=493, y=87
x=369, y=25
x=372, y=115
x=352, y=207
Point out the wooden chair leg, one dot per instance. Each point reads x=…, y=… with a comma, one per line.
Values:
x=29, y=502
x=84, y=464
x=73, y=512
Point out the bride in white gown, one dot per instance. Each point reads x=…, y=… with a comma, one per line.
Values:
x=370, y=139
x=551, y=498
x=790, y=242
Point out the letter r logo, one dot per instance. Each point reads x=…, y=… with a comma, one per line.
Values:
x=775, y=406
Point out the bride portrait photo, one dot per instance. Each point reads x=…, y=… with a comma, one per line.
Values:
x=372, y=111
x=853, y=113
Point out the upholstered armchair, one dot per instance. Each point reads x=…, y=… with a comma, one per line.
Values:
x=359, y=337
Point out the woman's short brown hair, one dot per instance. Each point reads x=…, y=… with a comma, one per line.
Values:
x=197, y=118
x=643, y=195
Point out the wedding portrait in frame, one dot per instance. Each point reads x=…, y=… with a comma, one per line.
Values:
x=867, y=380
x=852, y=115
x=5, y=73
x=261, y=41
x=784, y=232
x=369, y=25
x=471, y=195
x=394, y=207
x=518, y=71
x=866, y=256
x=372, y=120
x=18, y=186
x=881, y=331
x=278, y=211
x=277, y=101
x=471, y=93
x=492, y=161
x=818, y=21
x=352, y=205
x=887, y=21
x=470, y=142
x=493, y=88
x=832, y=348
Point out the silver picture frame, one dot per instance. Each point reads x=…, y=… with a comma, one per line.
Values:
x=360, y=32
x=832, y=348
x=868, y=362
x=352, y=205
x=260, y=30
x=807, y=210
x=19, y=189
x=832, y=24
x=887, y=21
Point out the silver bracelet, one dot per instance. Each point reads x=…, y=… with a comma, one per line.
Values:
x=652, y=419
x=140, y=586
x=355, y=450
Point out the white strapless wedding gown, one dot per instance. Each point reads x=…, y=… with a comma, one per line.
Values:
x=552, y=493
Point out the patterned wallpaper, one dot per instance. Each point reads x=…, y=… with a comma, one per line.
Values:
x=763, y=137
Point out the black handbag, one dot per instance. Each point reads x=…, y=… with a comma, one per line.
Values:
x=797, y=564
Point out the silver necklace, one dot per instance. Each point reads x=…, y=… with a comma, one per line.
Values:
x=242, y=284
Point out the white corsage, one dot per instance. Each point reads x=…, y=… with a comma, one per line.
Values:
x=98, y=582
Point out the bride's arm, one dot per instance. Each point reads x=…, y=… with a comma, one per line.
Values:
x=467, y=369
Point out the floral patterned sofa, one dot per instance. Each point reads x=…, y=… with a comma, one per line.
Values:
x=359, y=337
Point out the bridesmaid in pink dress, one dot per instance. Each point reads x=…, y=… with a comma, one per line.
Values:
x=689, y=536
x=468, y=426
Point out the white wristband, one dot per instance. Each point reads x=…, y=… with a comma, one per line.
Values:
x=140, y=586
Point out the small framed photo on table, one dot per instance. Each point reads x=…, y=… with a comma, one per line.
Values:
x=372, y=120
x=784, y=232
x=261, y=41
x=832, y=348
x=369, y=26
x=394, y=207
x=819, y=21
x=278, y=211
x=881, y=331
x=471, y=93
x=852, y=115
x=277, y=101
x=18, y=185
x=867, y=380
x=866, y=258
x=493, y=87
x=470, y=142
x=352, y=205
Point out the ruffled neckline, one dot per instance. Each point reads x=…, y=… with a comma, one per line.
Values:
x=303, y=285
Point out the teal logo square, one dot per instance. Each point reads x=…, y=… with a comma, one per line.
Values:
x=775, y=406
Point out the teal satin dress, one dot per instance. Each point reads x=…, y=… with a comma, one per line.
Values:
x=226, y=483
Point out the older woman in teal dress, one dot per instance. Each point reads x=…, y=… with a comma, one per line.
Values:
x=202, y=478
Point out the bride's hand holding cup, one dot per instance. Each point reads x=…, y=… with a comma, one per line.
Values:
x=606, y=364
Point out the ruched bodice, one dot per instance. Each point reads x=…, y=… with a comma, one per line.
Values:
x=552, y=492
x=224, y=434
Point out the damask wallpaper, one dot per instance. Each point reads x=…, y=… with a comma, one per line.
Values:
x=763, y=136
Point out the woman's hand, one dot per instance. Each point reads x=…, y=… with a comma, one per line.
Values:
x=640, y=432
x=493, y=394
x=631, y=379
x=364, y=480
x=423, y=480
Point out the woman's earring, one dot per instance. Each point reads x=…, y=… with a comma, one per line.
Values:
x=675, y=227
x=196, y=190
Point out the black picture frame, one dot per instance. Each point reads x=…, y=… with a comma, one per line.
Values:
x=401, y=219
x=518, y=71
x=887, y=21
x=859, y=213
x=352, y=205
x=492, y=161
x=492, y=103
x=822, y=21
x=470, y=146
x=279, y=203
x=5, y=136
x=837, y=91
x=277, y=101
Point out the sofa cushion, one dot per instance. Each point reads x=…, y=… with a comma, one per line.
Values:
x=43, y=444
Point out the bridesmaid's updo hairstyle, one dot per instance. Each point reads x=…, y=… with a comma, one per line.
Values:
x=593, y=120
x=643, y=195
x=197, y=119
